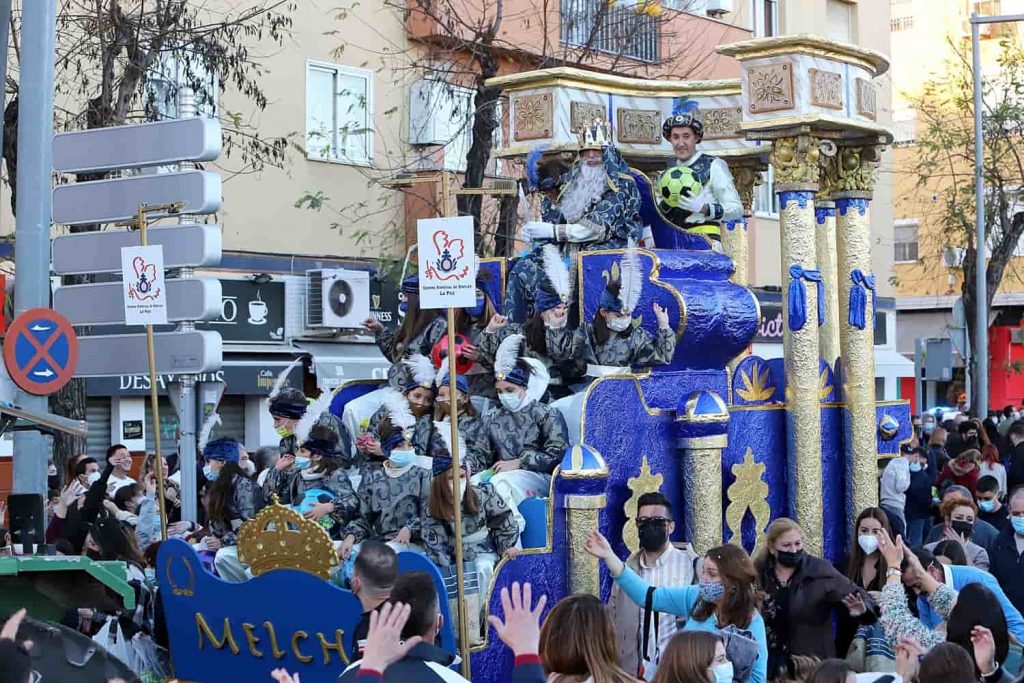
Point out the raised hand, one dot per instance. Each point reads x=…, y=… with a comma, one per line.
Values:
x=372, y=325
x=496, y=323
x=984, y=650
x=855, y=604
x=384, y=644
x=662, y=316
x=520, y=629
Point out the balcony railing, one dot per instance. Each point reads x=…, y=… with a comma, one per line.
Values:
x=613, y=29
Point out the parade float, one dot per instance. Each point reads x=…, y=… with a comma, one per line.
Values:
x=733, y=440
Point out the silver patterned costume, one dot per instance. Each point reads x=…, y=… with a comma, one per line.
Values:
x=535, y=433
x=493, y=525
x=246, y=501
x=390, y=500
x=637, y=348
x=473, y=431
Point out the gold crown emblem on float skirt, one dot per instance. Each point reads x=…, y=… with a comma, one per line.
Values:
x=278, y=537
x=595, y=135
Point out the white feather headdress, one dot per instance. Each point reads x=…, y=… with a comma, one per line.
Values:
x=445, y=430
x=312, y=415
x=422, y=370
x=282, y=377
x=442, y=372
x=631, y=278
x=556, y=272
x=397, y=407
x=212, y=420
x=507, y=354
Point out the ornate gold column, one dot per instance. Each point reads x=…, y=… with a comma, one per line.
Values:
x=580, y=495
x=734, y=238
x=825, y=236
x=855, y=184
x=796, y=176
x=703, y=433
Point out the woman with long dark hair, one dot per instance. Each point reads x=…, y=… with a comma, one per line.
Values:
x=231, y=499
x=419, y=331
x=725, y=600
x=577, y=643
x=865, y=567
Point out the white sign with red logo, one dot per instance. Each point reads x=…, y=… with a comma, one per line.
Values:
x=145, y=294
x=447, y=257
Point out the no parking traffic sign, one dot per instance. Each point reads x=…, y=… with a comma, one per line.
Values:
x=41, y=351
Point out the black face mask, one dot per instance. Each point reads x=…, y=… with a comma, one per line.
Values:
x=788, y=559
x=653, y=536
x=53, y=481
x=965, y=529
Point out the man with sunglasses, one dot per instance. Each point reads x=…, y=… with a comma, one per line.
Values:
x=660, y=563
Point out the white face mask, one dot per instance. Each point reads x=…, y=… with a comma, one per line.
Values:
x=619, y=324
x=722, y=673
x=247, y=466
x=556, y=324
x=868, y=543
x=401, y=457
x=511, y=400
x=94, y=477
x=462, y=489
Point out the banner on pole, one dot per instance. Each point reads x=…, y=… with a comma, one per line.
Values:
x=447, y=256
x=145, y=293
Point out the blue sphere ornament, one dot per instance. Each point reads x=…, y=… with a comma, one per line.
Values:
x=583, y=462
x=888, y=427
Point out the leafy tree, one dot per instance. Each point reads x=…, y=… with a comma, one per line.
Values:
x=944, y=167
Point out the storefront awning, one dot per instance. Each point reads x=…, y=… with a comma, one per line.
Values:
x=340, y=362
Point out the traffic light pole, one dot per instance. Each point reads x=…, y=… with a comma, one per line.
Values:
x=32, y=222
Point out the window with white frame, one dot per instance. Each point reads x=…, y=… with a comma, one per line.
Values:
x=904, y=127
x=174, y=70
x=766, y=17
x=905, y=247
x=766, y=202
x=339, y=113
x=839, y=19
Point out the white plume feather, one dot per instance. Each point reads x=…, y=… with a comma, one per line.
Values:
x=539, y=380
x=421, y=368
x=212, y=420
x=397, y=407
x=556, y=271
x=507, y=354
x=282, y=377
x=442, y=371
x=445, y=430
x=312, y=415
x=631, y=278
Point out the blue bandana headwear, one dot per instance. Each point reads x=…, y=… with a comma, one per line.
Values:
x=226, y=450
x=441, y=464
x=516, y=375
x=546, y=299
x=411, y=285
x=460, y=382
x=394, y=440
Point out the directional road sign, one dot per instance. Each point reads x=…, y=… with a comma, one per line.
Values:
x=178, y=353
x=40, y=351
x=109, y=201
x=146, y=144
x=101, y=304
x=189, y=245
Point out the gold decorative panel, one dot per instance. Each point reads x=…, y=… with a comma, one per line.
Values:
x=534, y=116
x=722, y=123
x=826, y=89
x=639, y=126
x=583, y=114
x=748, y=492
x=866, y=96
x=771, y=87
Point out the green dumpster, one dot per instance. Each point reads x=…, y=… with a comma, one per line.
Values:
x=49, y=585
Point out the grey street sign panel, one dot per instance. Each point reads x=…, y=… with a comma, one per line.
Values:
x=938, y=360
x=189, y=245
x=103, y=304
x=108, y=201
x=179, y=353
x=147, y=144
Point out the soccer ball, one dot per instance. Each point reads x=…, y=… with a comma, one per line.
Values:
x=678, y=181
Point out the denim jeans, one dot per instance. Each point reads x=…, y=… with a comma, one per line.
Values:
x=916, y=529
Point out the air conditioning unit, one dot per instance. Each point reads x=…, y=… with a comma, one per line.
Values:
x=953, y=257
x=337, y=298
x=716, y=8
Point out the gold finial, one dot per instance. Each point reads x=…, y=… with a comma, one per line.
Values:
x=278, y=537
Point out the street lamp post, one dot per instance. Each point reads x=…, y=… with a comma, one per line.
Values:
x=981, y=285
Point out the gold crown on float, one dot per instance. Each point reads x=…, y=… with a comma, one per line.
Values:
x=595, y=135
x=278, y=537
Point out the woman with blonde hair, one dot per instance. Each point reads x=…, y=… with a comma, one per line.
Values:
x=172, y=490
x=801, y=592
x=695, y=657
x=577, y=643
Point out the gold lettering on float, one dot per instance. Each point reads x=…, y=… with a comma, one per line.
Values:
x=296, y=637
x=227, y=639
x=338, y=646
x=253, y=640
x=278, y=652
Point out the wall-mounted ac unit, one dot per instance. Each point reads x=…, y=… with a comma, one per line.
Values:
x=337, y=298
x=716, y=8
x=953, y=257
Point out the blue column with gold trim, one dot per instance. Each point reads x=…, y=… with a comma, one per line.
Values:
x=580, y=492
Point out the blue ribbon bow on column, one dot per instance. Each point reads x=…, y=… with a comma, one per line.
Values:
x=798, y=296
x=859, y=298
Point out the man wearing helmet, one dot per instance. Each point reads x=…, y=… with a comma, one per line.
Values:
x=718, y=201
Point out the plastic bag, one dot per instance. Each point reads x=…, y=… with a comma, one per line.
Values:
x=110, y=638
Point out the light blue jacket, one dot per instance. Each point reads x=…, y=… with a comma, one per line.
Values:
x=681, y=601
x=957, y=577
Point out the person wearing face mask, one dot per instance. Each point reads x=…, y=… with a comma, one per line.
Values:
x=231, y=499
x=471, y=426
x=489, y=529
x=546, y=332
x=969, y=438
x=725, y=601
x=695, y=657
x=959, y=514
x=865, y=567
x=660, y=563
x=895, y=482
x=417, y=376
x=419, y=331
x=67, y=509
x=323, y=492
x=393, y=496
x=1006, y=556
x=990, y=507
x=801, y=592
x=527, y=439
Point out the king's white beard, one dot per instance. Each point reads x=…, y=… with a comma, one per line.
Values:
x=582, y=192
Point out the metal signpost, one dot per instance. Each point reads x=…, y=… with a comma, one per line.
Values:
x=135, y=201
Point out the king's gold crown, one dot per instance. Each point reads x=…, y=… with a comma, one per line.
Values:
x=278, y=537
